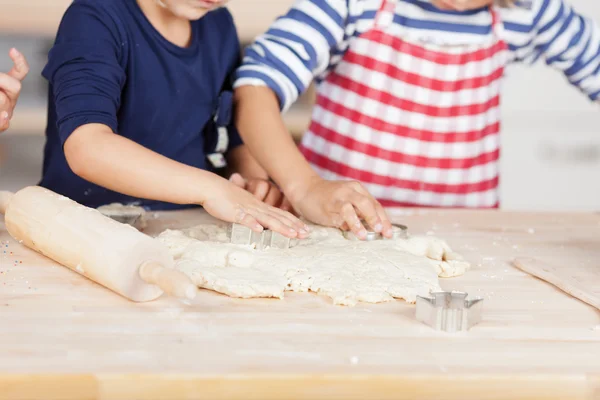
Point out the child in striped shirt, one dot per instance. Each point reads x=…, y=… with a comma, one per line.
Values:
x=408, y=96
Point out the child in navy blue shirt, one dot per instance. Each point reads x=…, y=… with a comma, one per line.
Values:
x=140, y=111
x=10, y=87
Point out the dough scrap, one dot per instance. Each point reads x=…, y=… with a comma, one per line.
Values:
x=326, y=263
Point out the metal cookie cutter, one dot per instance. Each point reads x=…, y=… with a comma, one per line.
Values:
x=449, y=311
x=240, y=234
x=125, y=214
x=398, y=232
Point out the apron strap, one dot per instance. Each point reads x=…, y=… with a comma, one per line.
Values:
x=497, y=25
x=221, y=121
x=385, y=15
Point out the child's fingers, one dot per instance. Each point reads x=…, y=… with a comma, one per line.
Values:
x=385, y=220
x=4, y=121
x=5, y=104
x=250, y=222
x=287, y=207
x=277, y=223
x=366, y=208
x=238, y=180
x=351, y=218
x=20, y=68
x=377, y=212
x=5, y=112
x=295, y=222
x=10, y=86
x=259, y=188
x=292, y=222
x=273, y=197
x=279, y=220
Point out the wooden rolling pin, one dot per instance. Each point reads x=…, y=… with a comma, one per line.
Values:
x=112, y=254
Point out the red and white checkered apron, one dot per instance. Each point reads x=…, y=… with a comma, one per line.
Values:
x=417, y=123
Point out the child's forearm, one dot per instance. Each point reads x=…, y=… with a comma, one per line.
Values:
x=98, y=155
x=241, y=161
x=324, y=202
x=260, y=124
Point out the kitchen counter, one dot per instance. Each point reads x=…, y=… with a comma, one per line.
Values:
x=63, y=336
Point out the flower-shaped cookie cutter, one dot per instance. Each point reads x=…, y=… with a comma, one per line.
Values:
x=449, y=311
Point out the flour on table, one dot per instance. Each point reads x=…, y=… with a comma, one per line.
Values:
x=326, y=263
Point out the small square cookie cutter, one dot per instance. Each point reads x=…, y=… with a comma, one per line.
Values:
x=240, y=234
x=398, y=232
x=449, y=311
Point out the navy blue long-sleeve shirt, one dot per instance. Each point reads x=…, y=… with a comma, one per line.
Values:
x=109, y=65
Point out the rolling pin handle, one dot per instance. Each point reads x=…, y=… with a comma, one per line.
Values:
x=172, y=282
x=5, y=198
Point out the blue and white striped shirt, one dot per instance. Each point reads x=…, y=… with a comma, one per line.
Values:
x=314, y=35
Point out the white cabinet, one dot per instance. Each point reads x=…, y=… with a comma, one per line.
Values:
x=550, y=139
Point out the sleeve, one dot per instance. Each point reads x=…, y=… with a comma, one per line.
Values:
x=295, y=49
x=83, y=69
x=569, y=42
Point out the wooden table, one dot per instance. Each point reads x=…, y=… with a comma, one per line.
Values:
x=62, y=336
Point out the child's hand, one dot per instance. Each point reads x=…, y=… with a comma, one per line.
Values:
x=341, y=204
x=263, y=190
x=231, y=203
x=10, y=87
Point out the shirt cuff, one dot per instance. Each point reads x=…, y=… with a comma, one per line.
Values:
x=253, y=77
x=69, y=125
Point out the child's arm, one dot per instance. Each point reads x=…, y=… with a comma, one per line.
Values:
x=249, y=175
x=277, y=68
x=10, y=87
x=568, y=41
x=87, y=78
x=242, y=168
x=296, y=48
x=98, y=155
x=241, y=161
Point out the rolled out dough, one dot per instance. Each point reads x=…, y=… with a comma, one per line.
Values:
x=327, y=263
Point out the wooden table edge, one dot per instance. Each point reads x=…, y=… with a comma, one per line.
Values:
x=299, y=386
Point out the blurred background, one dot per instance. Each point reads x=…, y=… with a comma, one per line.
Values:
x=551, y=133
